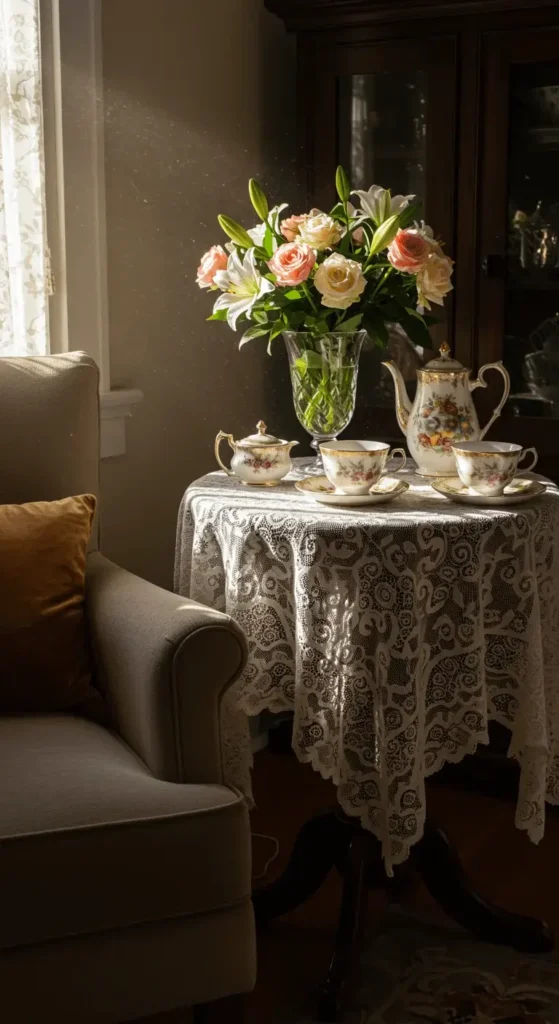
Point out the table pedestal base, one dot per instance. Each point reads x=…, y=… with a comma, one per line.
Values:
x=334, y=839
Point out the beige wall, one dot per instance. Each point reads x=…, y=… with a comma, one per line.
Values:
x=198, y=97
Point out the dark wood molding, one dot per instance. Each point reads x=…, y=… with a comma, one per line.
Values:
x=302, y=15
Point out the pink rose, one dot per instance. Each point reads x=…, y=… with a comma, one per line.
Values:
x=409, y=251
x=292, y=263
x=215, y=259
x=290, y=226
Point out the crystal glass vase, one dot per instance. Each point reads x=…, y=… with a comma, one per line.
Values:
x=323, y=373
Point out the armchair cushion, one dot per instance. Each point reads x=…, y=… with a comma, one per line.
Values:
x=44, y=658
x=91, y=841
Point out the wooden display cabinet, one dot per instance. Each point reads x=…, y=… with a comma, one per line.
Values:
x=457, y=102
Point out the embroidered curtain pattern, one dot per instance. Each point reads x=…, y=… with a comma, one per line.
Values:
x=23, y=245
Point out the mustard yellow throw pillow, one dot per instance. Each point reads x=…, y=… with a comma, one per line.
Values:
x=44, y=659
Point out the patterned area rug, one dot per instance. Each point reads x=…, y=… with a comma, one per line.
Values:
x=414, y=971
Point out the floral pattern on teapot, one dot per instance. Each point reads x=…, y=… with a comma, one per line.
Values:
x=441, y=422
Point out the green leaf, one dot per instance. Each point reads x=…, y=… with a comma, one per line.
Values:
x=259, y=316
x=384, y=235
x=352, y=324
x=258, y=199
x=253, y=332
x=308, y=361
x=343, y=188
x=235, y=231
x=276, y=329
x=376, y=328
x=220, y=315
x=416, y=330
x=293, y=294
x=261, y=253
x=413, y=312
x=338, y=211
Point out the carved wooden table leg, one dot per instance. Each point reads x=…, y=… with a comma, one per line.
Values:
x=321, y=842
x=353, y=912
x=441, y=870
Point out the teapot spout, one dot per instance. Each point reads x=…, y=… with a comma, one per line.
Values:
x=403, y=404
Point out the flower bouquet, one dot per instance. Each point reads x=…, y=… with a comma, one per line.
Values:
x=325, y=281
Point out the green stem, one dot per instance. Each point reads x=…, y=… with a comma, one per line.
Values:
x=382, y=280
x=346, y=215
x=306, y=290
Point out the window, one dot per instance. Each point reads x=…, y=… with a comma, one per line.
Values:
x=24, y=322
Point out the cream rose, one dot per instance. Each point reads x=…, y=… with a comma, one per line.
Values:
x=340, y=281
x=433, y=280
x=320, y=230
x=213, y=260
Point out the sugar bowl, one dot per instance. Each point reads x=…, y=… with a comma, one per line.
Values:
x=260, y=460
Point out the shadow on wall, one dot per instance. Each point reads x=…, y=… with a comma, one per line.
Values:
x=197, y=99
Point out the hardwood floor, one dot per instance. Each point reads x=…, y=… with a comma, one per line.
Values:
x=294, y=952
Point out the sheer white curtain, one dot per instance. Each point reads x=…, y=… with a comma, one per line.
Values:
x=23, y=244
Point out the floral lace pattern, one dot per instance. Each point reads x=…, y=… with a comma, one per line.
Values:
x=394, y=635
x=23, y=244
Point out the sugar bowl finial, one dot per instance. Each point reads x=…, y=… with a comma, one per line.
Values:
x=444, y=349
x=261, y=427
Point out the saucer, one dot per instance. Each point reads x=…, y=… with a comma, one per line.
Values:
x=320, y=488
x=517, y=491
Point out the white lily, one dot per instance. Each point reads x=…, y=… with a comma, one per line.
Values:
x=242, y=285
x=258, y=232
x=378, y=204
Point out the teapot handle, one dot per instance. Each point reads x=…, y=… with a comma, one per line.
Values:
x=223, y=437
x=482, y=383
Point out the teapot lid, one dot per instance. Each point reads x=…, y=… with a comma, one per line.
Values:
x=444, y=361
x=261, y=438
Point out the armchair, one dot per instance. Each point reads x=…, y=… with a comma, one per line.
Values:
x=124, y=860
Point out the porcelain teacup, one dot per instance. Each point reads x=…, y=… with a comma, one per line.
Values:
x=353, y=467
x=486, y=467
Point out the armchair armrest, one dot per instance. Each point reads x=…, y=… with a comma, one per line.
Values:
x=163, y=663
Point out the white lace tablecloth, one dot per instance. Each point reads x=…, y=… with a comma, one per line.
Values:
x=394, y=632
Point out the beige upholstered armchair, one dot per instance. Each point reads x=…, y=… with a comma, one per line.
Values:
x=124, y=860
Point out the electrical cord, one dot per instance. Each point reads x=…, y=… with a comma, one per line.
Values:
x=271, y=858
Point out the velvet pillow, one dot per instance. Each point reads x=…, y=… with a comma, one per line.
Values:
x=44, y=658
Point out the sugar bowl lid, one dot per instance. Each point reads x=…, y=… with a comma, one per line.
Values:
x=261, y=438
x=444, y=362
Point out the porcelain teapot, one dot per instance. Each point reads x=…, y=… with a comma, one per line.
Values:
x=260, y=459
x=443, y=411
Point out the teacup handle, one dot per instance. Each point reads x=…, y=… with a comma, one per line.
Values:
x=527, y=469
x=223, y=437
x=398, y=451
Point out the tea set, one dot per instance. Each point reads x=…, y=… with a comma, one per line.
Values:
x=443, y=437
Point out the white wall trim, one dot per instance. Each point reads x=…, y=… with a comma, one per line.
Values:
x=116, y=406
x=75, y=172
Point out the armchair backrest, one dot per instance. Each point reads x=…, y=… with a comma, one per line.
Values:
x=49, y=428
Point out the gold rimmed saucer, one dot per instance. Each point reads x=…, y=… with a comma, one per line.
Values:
x=519, y=490
x=320, y=488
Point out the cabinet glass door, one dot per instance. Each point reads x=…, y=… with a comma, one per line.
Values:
x=519, y=284
x=382, y=129
x=387, y=112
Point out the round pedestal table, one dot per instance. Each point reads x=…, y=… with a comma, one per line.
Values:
x=393, y=632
